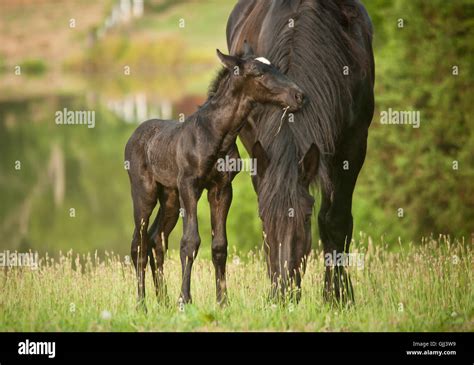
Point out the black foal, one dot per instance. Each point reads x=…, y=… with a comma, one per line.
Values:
x=173, y=162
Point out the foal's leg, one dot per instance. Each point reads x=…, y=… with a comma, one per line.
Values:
x=144, y=200
x=189, y=195
x=220, y=199
x=162, y=226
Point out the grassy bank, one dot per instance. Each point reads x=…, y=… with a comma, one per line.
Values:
x=424, y=287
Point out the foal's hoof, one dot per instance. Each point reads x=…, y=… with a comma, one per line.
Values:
x=182, y=302
x=223, y=302
x=222, y=299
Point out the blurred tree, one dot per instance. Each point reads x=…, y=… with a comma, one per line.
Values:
x=424, y=66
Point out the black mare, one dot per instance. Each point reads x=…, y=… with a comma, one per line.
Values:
x=326, y=47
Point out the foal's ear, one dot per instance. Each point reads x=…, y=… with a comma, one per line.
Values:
x=309, y=164
x=248, y=50
x=229, y=62
x=262, y=159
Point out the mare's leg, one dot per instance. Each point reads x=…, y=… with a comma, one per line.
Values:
x=189, y=194
x=335, y=216
x=220, y=199
x=159, y=232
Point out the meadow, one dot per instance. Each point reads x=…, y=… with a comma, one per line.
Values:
x=415, y=287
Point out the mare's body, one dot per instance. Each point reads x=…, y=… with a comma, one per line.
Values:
x=326, y=47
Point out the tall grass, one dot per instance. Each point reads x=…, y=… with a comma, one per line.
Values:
x=425, y=287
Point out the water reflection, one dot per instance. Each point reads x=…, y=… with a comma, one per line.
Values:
x=138, y=107
x=65, y=187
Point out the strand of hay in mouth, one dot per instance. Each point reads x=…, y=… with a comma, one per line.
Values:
x=281, y=120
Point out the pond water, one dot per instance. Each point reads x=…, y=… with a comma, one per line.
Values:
x=64, y=186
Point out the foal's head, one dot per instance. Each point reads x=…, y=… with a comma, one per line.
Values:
x=257, y=79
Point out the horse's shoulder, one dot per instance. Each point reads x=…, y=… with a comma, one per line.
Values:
x=245, y=12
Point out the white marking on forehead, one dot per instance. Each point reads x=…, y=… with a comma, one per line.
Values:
x=263, y=60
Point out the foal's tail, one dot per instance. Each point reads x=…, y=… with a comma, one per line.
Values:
x=152, y=260
x=151, y=237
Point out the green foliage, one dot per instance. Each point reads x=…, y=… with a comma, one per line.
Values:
x=2, y=63
x=33, y=67
x=413, y=168
x=145, y=55
x=95, y=180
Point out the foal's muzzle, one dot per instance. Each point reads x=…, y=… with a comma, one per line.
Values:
x=297, y=99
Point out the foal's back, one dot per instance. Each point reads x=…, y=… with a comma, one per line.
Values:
x=151, y=150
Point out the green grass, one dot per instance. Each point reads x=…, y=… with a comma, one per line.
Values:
x=33, y=67
x=420, y=288
x=158, y=44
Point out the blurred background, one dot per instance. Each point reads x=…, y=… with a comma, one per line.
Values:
x=130, y=60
